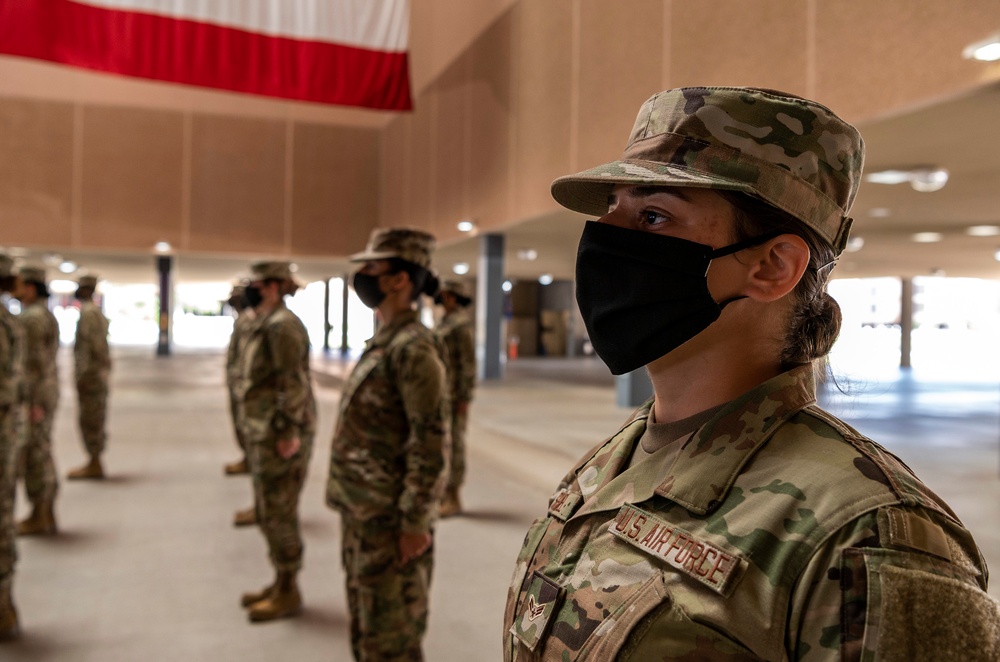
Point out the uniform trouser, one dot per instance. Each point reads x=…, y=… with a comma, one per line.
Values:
x=388, y=602
x=10, y=432
x=93, y=398
x=456, y=476
x=40, y=480
x=277, y=484
x=234, y=406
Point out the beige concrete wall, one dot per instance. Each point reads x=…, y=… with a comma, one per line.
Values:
x=120, y=178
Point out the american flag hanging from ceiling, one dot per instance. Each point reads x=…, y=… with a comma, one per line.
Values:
x=341, y=52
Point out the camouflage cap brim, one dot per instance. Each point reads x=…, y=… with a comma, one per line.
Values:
x=368, y=256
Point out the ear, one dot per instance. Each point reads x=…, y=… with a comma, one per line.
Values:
x=398, y=280
x=777, y=267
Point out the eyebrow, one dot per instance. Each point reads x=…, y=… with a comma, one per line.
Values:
x=647, y=191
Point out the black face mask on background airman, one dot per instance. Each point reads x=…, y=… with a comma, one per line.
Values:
x=367, y=288
x=642, y=295
x=252, y=296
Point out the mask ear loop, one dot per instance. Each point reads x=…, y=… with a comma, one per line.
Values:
x=736, y=248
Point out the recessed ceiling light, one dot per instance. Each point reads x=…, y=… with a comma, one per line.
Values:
x=982, y=230
x=925, y=179
x=162, y=247
x=987, y=50
x=460, y=268
x=507, y=286
x=927, y=237
x=67, y=267
x=545, y=279
x=466, y=226
x=880, y=212
x=527, y=254
x=854, y=244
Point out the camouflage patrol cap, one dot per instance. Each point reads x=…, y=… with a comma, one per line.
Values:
x=6, y=265
x=87, y=280
x=275, y=271
x=456, y=287
x=414, y=246
x=32, y=274
x=790, y=152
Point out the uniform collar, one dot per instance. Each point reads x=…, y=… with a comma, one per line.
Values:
x=387, y=332
x=701, y=474
x=715, y=455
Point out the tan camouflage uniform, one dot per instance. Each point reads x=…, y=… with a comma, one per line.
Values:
x=41, y=335
x=456, y=335
x=11, y=439
x=92, y=361
x=741, y=542
x=386, y=476
x=277, y=403
x=242, y=328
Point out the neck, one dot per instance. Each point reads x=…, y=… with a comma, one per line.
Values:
x=266, y=306
x=714, y=367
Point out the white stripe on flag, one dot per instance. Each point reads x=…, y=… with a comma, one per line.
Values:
x=381, y=25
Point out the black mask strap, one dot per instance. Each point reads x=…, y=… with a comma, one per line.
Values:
x=746, y=243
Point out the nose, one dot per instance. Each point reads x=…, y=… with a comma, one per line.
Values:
x=615, y=216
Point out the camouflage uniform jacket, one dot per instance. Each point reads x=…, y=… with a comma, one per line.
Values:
x=391, y=441
x=455, y=332
x=90, y=349
x=41, y=339
x=242, y=327
x=275, y=383
x=773, y=532
x=11, y=371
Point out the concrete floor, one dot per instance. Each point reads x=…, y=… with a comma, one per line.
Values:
x=148, y=567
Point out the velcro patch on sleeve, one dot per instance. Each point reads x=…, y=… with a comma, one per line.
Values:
x=925, y=616
x=906, y=530
x=564, y=504
x=714, y=567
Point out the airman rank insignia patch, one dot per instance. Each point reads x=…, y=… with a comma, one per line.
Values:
x=715, y=568
x=564, y=504
x=542, y=599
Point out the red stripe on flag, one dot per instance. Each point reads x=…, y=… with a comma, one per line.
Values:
x=194, y=53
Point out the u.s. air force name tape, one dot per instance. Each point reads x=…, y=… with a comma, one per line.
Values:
x=710, y=565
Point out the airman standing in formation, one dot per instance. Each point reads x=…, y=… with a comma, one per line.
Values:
x=41, y=341
x=11, y=431
x=389, y=455
x=92, y=362
x=242, y=327
x=277, y=414
x=456, y=334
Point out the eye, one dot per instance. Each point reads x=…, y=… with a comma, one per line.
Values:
x=651, y=218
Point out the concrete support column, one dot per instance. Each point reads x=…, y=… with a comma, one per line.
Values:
x=633, y=388
x=164, y=265
x=345, y=297
x=489, y=307
x=326, y=316
x=905, y=322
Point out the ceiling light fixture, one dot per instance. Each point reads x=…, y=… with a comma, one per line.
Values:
x=880, y=212
x=927, y=237
x=467, y=225
x=527, y=254
x=67, y=267
x=507, y=286
x=982, y=230
x=460, y=268
x=925, y=179
x=854, y=244
x=987, y=50
x=162, y=247
x=545, y=279
x=996, y=255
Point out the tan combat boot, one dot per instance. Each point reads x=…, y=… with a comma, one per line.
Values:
x=9, y=626
x=284, y=600
x=247, y=517
x=248, y=599
x=237, y=468
x=450, y=505
x=41, y=521
x=93, y=470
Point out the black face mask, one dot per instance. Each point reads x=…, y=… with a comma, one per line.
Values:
x=252, y=296
x=368, y=289
x=642, y=295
